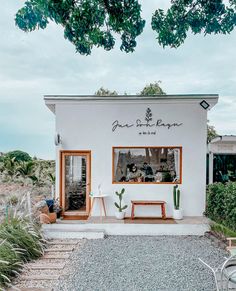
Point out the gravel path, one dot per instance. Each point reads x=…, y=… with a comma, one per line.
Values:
x=134, y=263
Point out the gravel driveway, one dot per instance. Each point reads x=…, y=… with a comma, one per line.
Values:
x=142, y=263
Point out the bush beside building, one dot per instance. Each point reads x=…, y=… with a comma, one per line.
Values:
x=221, y=204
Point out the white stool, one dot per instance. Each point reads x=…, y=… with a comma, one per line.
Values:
x=100, y=199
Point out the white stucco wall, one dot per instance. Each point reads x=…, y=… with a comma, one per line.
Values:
x=88, y=126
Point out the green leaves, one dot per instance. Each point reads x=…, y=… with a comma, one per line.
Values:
x=25, y=169
x=10, y=262
x=116, y=205
x=120, y=195
x=152, y=89
x=105, y=92
x=89, y=23
x=221, y=203
x=197, y=16
x=18, y=156
x=86, y=23
x=31, y=16
x=124, y=207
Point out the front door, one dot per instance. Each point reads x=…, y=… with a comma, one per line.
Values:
x=75, y=184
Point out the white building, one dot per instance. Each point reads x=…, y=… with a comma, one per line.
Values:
x=145, y=144
x=222, y=159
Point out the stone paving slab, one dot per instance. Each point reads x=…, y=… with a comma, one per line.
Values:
x=43, y=274
x=40, y=277
x=31, y=289
x=46, y=266
x=66, y=249
x=62, y=243
x=55, y=256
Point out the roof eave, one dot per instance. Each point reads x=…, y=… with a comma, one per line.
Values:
x=51, y=100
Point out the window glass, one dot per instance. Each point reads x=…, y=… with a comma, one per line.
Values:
x=147, y=164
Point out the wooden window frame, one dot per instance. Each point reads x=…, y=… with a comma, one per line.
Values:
x=144, y=147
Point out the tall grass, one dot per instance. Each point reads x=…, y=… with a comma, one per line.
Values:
x=10, y=262
x=20, y=241
x=23, y=235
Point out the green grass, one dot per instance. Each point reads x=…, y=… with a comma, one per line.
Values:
x=223, y=230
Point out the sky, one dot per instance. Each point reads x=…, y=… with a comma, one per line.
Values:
x=43, y=62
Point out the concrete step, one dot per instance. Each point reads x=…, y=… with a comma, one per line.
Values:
x=71, y=231
x=93, y=230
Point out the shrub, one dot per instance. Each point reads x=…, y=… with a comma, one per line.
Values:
x=19, y=156
x=221, y=204
x=230, y=205
x=215, y=202
x=25, y=236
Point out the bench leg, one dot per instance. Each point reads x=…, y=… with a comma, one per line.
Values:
x=132, y=211
x=163, y=211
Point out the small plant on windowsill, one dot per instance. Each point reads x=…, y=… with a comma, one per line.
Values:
x=120, y=214
x=177, y=211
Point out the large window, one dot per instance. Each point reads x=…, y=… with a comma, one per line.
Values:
x=147, y=165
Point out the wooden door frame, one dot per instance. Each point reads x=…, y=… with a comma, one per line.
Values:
x=68, y=214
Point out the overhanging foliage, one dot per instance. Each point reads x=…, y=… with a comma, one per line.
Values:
x=86, y=23
x=89, y=23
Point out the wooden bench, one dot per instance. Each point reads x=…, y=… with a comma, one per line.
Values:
x=149, y=202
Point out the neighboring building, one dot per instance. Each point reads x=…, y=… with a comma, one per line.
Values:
x=222, y=159
x=144, y=144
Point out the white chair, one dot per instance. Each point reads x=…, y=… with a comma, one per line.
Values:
x=228, y=272
x=224, y=274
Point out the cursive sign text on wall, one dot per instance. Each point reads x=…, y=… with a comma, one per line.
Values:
x=148, y=123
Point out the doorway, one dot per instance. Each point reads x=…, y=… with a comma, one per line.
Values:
x=75, y=186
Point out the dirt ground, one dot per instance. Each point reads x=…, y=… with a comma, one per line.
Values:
x=14, y=192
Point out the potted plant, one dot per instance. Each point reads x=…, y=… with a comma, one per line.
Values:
x=120, y=214
x=177, y=211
